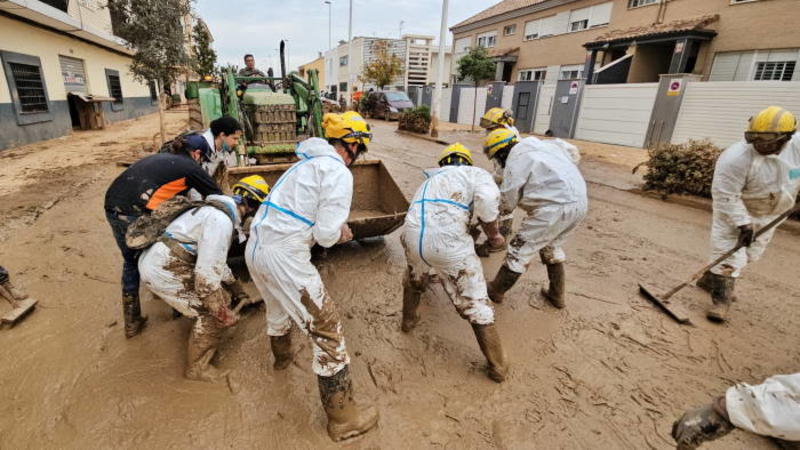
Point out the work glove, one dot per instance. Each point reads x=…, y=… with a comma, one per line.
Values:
x=495, y=243
x=346, y=234
x=747, y=235
x=699, y=425
x=217, y=305
x=237, y=292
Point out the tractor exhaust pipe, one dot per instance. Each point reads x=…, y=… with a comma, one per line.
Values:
x=283, y=59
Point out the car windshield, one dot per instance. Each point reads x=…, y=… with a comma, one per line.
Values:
x=397, y=97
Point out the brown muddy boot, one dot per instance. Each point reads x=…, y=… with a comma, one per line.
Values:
x=721, y=295
x=281, y=350
x=16, y=294
x=411, y=298
x=489, y=342
x=555, y=293
x=203, y=341
x=503, y=281
x=132, y=313
x=345, y=418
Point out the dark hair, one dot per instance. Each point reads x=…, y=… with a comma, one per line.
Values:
x=225, y=124
x=249, y=55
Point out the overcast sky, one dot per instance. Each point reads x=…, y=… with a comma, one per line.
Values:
x=257, y=26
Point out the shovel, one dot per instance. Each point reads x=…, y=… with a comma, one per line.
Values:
x=21, y=307
x=676, y=311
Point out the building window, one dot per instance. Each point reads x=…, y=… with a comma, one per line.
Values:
x=343, y=86
x=572, y=72
x=462, y=45
x=509, y=30
x=487, y=40
x=638, y=3
x=776, y=71
x=27, y=87
x=532, y=74
x=579, y=25
x=533, y=29
x=114, y=89
x=62, y=5
x=343, y=60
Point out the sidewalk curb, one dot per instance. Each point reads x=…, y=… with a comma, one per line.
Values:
x=422, y=136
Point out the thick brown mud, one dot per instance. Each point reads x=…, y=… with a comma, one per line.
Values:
x=609, y=371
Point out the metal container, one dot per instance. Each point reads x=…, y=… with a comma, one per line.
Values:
x=379, y=206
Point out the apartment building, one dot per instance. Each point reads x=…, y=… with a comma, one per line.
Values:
x=63, y=68
x=418, y=54
x=631, y=41
x=317, y=64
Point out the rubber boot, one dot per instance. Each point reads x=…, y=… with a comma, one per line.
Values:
x=555, y=293
x=704, y=282
x=203, y=340
x=132, y=313
x=281, y=350
x=721, y=295
x=345, y=418
x=16, y=293
x=503, y=281
x=411, y=298
x=489, y=342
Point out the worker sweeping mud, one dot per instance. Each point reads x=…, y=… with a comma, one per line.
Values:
x=309, y=205
x=542, y=178
x=755, y=181
x=140, y=189
x=769, y=409
x=187, y=268
x=436, y=236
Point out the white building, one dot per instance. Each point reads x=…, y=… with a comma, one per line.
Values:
x=417, y=52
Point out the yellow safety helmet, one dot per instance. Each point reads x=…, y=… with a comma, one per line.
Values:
x=349, y=127
x=496, y=117
x=454, y=153
x=498, y=139
x=254, y=187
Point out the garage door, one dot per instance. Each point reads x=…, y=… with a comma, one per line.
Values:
x=74, y=74
x=616, y=113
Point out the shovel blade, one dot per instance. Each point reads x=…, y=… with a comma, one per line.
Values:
x=674, y=310
x=21, y=309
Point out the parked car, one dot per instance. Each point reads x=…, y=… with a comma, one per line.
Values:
x=385, y=105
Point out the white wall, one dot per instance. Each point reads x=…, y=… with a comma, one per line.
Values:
x=719, y=110
x=544, y=108
x=465, y=105
x=616, y=113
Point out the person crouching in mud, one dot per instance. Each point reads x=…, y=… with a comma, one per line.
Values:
x=187, y=269
x=542, y=178
x=436, y=236
x=309, y=205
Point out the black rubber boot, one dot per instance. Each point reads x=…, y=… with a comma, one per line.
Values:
x=489, y=342
x=503, y=281
x=555, y=293
x=281, y=350
x=132, y=314
x=345, y=418
x=722, y=296
x=704, y=282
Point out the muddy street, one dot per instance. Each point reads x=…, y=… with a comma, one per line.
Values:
x=609, y=371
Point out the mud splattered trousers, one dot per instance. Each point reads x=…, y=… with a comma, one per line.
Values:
x=461, y=276
x=544, y=231
x=292, y=289
x=724, y=237
x=130, y=272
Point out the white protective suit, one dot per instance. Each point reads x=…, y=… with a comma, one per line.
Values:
x=769, y=409
x=436, y=235
x=308, y=205
x=542, y=178
x=204, y=232
x=750, y=188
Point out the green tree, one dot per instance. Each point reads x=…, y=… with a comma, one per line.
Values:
x=477, y=66
x=204, y=56
x=384, y=67
x=154, y=30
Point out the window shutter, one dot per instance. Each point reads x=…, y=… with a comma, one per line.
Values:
x=601, y=14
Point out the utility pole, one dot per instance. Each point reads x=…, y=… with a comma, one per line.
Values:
x=437, y=93
x=349, y=98
x=330, y=24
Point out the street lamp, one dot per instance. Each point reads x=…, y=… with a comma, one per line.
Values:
x=437, y=93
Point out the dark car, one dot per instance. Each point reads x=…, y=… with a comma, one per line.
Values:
x=385, y=105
